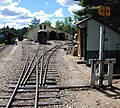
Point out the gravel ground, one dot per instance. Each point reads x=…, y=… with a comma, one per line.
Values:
x=10, y=59
x=70, y=72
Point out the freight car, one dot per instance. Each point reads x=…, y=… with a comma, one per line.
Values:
x=9, y=37
x=61, y=36
x=20, y=37
x=42, y=36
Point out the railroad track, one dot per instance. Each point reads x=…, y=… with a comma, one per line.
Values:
x=34, y=87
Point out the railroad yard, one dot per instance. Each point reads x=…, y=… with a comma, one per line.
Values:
x=66, y=85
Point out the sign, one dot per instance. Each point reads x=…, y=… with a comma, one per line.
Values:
x=104, y=11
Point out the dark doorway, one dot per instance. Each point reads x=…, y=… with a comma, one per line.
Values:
x=61, y=36
x=83, y=42
x=52, y=35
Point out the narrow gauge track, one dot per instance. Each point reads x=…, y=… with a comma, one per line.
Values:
x=31, y=89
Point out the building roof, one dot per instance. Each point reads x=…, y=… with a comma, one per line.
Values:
x=82, y=21
x=98, y=20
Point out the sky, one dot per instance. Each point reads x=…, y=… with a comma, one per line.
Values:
x=19, y=13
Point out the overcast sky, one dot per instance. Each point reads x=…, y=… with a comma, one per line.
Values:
x=19, y=13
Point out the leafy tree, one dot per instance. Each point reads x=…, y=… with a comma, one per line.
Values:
x=91, y=8
x=34, y=23
x=65, y=25
x=17, y=32
x=48, y=23
x=68, y=20
x=7, y=28
x=58, y=24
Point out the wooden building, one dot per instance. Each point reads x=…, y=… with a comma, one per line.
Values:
x=53, y=33
x=89, y=37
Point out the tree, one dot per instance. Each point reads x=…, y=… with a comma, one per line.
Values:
x=91, y=8
x=48, y=23
x=58, y=24
x=68, y=20
x=7, y=28
x=65, y=25
x=34, y=23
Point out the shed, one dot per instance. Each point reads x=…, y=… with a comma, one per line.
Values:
x=53, y=33
x=89, y=36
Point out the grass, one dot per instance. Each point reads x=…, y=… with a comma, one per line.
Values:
x=1, y=44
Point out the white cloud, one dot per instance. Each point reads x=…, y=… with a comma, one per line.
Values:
x=15, y=16
x=9, y=2
x=58, y=13
x=66, y=2
x=46, y=3
x=71, y=4
x=42, y=16
x=54, y=21
x=74, y=8
x=12, y=15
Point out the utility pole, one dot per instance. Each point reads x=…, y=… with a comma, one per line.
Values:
x=103, y=11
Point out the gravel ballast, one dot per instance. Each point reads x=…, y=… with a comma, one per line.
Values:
x=70, y=73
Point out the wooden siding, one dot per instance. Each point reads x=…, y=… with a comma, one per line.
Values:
x=79, y=44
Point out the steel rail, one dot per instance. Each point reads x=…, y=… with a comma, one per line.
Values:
x=41, y=71
x=9, y=105
x=29, y=74
x=46, y=65
x=37, y=87
x=51, y=49
x=39, y=60
x=27, y=71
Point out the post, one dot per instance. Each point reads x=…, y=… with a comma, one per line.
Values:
x=93, y=68
x=101, y=47
x=101, y=56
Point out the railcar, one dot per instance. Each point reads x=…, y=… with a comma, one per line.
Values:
x=42, y=36
x=61, y=36
x=9, y=37
x=20, y=37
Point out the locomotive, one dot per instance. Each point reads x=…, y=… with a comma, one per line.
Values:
x=42, y=36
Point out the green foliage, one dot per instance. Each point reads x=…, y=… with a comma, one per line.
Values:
x=17, y=32
x=65, y=25
x=1, y=43
x=48, y=23
x=34, y=23
x=90, y=5
x=91, y=8
x=58, y=24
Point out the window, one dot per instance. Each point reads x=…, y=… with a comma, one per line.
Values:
x=44, y=26
x=40, y=26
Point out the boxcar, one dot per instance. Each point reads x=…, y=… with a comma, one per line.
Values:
x=61, y=36
x=20, y=37
x=42, y=36
x=9, y=37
